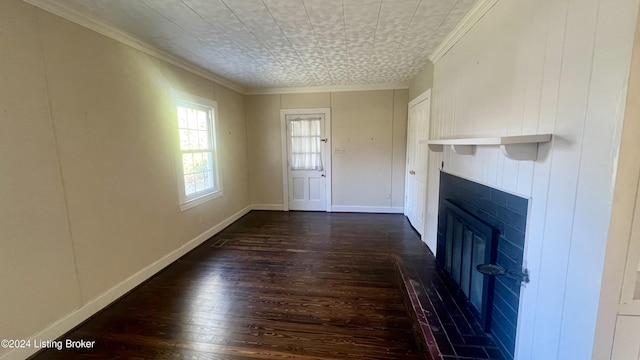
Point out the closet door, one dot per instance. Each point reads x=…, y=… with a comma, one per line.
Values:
x=417, y=155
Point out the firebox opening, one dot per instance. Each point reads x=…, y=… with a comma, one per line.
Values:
x=480, y=226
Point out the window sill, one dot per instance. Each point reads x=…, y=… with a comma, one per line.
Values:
x=200, y=200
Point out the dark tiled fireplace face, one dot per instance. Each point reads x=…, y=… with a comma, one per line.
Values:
x=507, y=215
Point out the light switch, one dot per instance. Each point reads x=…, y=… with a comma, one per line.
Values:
x=338, y=150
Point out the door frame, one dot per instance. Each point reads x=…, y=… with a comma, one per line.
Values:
x=285, y=153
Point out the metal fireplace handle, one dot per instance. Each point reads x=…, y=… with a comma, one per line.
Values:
x=497, y=270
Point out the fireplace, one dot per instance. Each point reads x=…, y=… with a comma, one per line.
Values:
x=468, y=243
x=482, y=227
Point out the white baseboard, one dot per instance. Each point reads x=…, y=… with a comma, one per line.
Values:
x=339, y=208
x=368, y=209
x=68, y=322
x=271, y=207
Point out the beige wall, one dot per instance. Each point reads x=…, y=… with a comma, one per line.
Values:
x=399, y=143
x=370, y=125
x=36, y=258
x=88, y=190
x=550, y=66
x=421, y=82
x=265, y=154
x=362, y=124
x=302, y=101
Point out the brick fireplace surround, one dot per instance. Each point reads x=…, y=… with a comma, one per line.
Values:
x=444, y=321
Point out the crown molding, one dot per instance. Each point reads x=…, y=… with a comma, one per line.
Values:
x=91, y=23
x=474, y=15
x=333, y=88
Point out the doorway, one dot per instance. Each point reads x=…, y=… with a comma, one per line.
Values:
x=306, y=159
x=416, y=176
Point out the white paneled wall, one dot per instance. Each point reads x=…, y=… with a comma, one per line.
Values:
x=546, y=66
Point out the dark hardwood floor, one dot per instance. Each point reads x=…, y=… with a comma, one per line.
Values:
x=274, y=285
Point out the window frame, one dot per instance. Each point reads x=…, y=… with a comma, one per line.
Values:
x=187, y=100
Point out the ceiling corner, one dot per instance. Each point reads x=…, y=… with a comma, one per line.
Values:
x=474, y=15
x=90, y=23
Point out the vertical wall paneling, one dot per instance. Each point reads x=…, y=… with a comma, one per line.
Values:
x=614, y=31
x=548, y=67
x=572, y=106
x=555, y=16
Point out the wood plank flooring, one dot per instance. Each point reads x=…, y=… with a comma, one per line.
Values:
x=274, y=285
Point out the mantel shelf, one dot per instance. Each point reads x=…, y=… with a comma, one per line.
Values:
x=518, y=147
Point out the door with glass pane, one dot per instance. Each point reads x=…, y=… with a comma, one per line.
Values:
x=306, y=142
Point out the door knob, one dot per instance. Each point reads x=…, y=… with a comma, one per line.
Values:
x=412, y=172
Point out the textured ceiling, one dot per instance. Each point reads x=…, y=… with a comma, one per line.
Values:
x=289, y=43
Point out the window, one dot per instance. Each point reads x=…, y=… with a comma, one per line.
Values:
x=305, y=144
x=199, y=179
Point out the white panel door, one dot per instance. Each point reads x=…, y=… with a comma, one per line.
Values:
x=306, y=143
x=417, y=155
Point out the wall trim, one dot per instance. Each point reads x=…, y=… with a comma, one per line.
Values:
x=368, y=209
x=474, y=15
x=333, y=88
x=270, y=207
x=71, y=320
x=92, y=23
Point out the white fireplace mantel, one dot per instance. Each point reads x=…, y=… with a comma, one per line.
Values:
x=518, y=147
